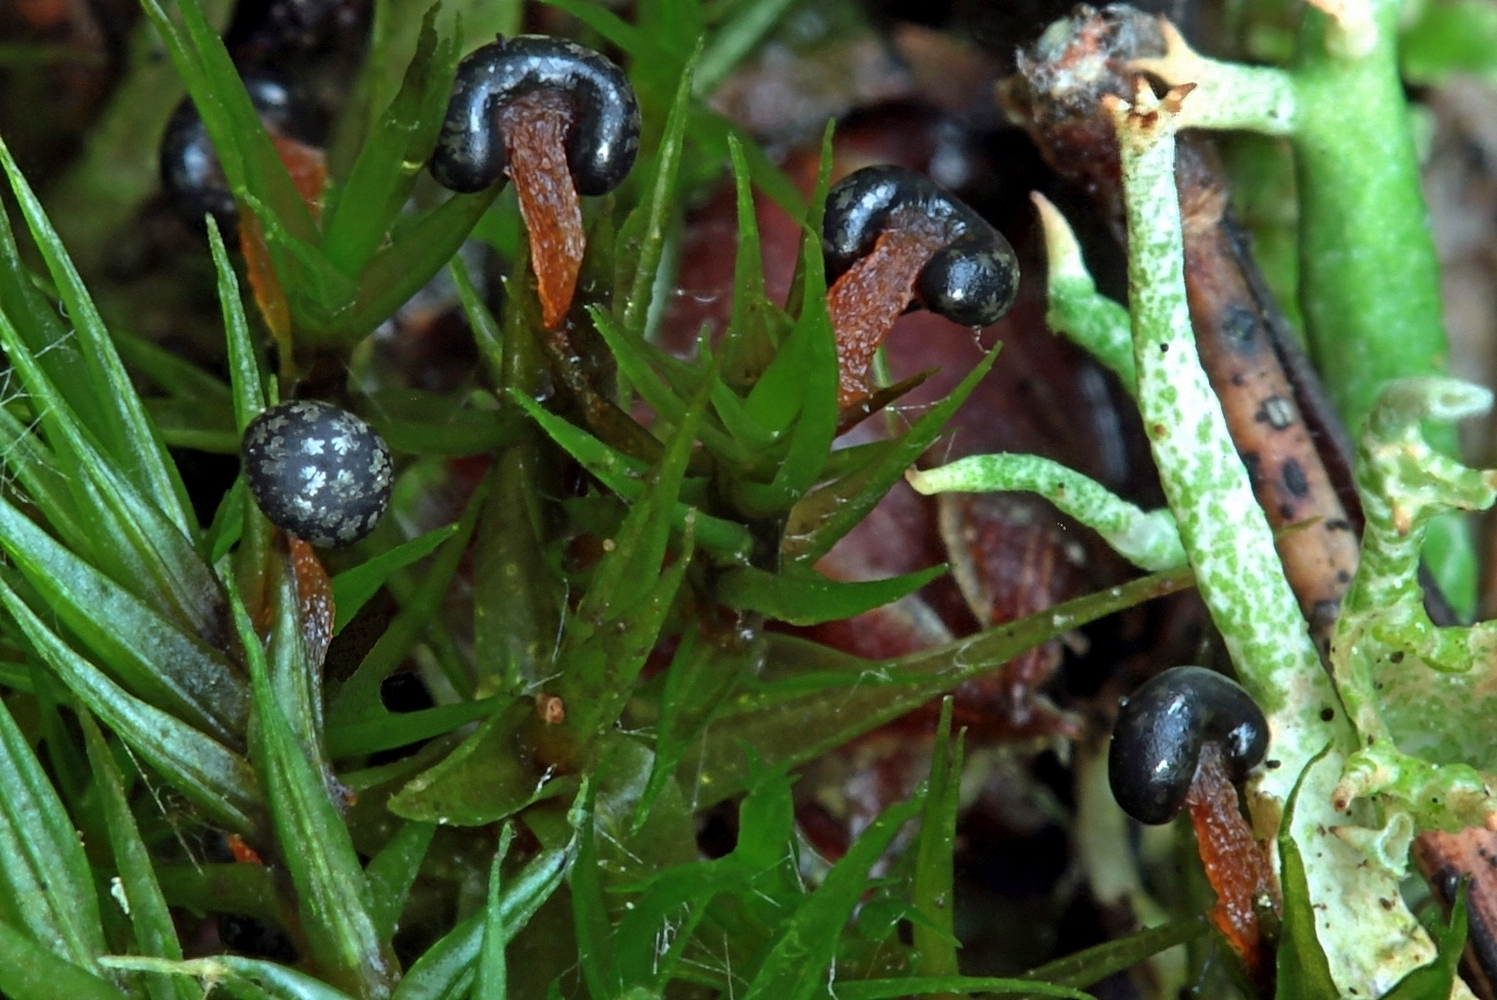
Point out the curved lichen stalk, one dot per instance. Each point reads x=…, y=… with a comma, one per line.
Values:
x=1362, y=215
x=1370, y=938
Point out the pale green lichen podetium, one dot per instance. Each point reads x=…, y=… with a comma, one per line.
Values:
x=1077, y=310
x=1148, y=539
x=1369, y=944
x=1385, y=645
x=1369, y=274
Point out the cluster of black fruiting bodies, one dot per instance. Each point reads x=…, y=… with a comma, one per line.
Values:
x=972, y=280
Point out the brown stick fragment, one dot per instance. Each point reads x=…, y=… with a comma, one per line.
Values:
x=1234, y=336
x=535, y=128
x=1446, y=858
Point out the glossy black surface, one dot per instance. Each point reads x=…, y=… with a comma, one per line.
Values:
x=971, y=281
x=190, y=175
x=605, y=135
x=1161, y=730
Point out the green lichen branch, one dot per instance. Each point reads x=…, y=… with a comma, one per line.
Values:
x=1148, y=539
x=1369, y=273
x=1384, y=628
x=1369, y=945
x=1079, y=312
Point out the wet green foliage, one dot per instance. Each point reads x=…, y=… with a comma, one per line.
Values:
x=172, y=673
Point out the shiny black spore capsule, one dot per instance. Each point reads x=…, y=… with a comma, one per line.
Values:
x=605, y=134
x=317, y=471
x=971, y=281
x=190, y=175
x=1157, y=742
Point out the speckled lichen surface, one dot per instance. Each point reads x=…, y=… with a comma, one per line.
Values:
x=318, y=471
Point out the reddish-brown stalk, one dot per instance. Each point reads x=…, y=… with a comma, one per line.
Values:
x=535, y=128
x=866, y=300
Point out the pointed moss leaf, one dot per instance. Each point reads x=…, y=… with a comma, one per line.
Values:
x=455, y=433
x=1434, y=981
x=41, y=327
x=244, y=359
x=29, y=971
x=353, y=587
x=824, y=516
x=133, y=539
x=153, y=657
x=393, y=871
x=493, y=974
x=243, y=147
x=486, y=330
x=932, y=886
x=744, y=29
x=66, y=762
x=701, y=675
x=635, y=359
x=658, y=211
x=750, y=341
x=788, y=727
x=230, y=887
x=600, y=670
x=482, y=781
x=608, y=24
x=1094, y=964
x=805, y=597
x=42, y=480
x=711, y=130
x=193, y=423
x=412, y=258
x=600, y=664
x=155, y=934
x=398, y=729
x=448, y=967
x=333, y=895
x=815, y=211
x=675, y=24
x=277, y=981
x=130, y=438
x=799, y=374
x=46, y=888
x=212, y=777
x=358, y=699
x=640, y=544
x=393, y=154
x=726, y=540
x=294, y=678
x=797, y=963
x=759, y=872
x=228, y=523
x=241, y=977
x=919, y=986
x=590, y=920
x=179, y=377
x=1303, y=972
x=518, y=599
x=813, y=345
